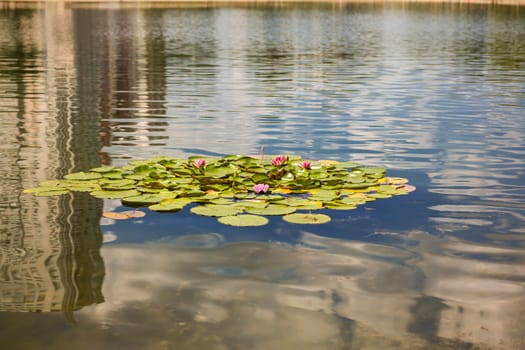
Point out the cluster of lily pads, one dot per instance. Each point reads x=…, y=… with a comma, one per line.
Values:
x=238, y=190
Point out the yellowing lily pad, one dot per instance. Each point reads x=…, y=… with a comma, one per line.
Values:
x=243, y=220
x=123, y=215
x=309, y=218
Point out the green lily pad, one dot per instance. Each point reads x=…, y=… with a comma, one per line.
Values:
x=252, y=203
x=119, y=185
x=103, y=169
x=309, y=218
x=83, y=176
x=378, y=195
x=272, y=209
x=243, y=220
x=303, y=204
x=216, y=210
x=373, y=170
x=47, y=192
x=338, y=205
x=114, y=194
x=172, y=204
x=144, y=199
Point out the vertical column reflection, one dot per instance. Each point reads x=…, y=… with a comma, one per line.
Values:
x=49, y=247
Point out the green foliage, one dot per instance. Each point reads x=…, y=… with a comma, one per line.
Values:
x=225, y=187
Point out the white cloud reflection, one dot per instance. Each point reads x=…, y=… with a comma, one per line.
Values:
x=436, y=293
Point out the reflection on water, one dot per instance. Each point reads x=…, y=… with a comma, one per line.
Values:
x=324, y=294
x=434, y=92
x=50, y=257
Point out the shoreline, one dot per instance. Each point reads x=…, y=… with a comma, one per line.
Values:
x=213, y=3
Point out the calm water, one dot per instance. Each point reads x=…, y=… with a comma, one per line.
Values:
x=436, y=93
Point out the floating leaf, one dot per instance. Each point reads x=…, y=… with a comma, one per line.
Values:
x=216, y=210
x=408, y=188
x=173, y=204
x=103, y=169
x=83, y=176
x=123, y=215
x=338, y=205
x=134, y=213
x=309, y=218
x=144, y=199
x=47, y=192
x=303, y=204
x=394, y=180
x=124, y=184
x=114, y=194
x=272, y=209
x=254, y=203
x=114, y=215
x=243, y=220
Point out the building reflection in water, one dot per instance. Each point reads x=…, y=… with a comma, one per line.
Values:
x=49, y=247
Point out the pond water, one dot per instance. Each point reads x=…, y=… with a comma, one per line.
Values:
x=434, y=92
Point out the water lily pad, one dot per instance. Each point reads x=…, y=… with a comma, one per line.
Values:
x=123, y=215
x=115, y=215
x=252, y=203
x=394, y=180
x=216, y=210
x=243, y=220
x=103, y=169
x=378, y=195
x=114, y=194
x=308, y=218
x=83, y=176
x=338, y=205
x=171, y=204
x=124, y=184
x=47, y=192
x=134, y=213
x=373, y=170
x=408, y=188
x=144, y=199
x=303, y=203
x=272, y=209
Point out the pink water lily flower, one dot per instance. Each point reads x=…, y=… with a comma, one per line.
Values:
x=279, y=160
x=199, y=163
x=261, y=188
x=305, y=165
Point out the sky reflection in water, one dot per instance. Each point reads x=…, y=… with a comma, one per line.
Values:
x=433, y=92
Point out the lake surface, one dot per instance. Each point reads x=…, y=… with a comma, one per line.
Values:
x=434, y=92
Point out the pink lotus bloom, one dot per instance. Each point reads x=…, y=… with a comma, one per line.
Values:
x=305, y=165
x=279, y=160
x=261, y=188
x=199, y=163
